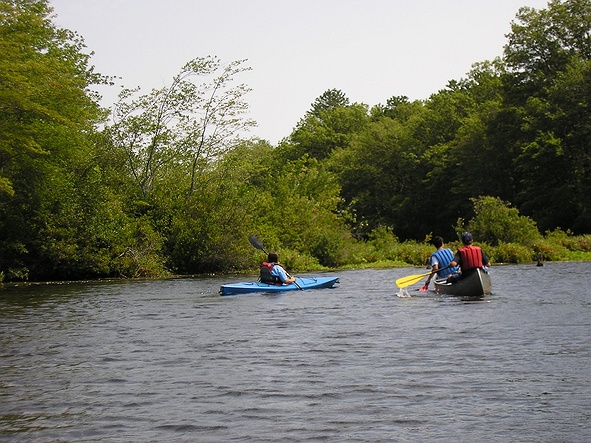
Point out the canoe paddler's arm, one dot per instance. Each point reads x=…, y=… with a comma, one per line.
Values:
x=434, y=269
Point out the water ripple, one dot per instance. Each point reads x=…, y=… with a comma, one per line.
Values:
x=173, y=361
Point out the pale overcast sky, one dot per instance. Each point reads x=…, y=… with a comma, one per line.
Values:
x=297, y=49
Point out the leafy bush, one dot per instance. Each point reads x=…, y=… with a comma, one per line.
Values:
x=495, y=222
x=570, y=242
x=141, y=256
x=383, y=243
x=413, y=253
x=294, y=261
x=509, y=253
x=551, y=250
x=326, y=247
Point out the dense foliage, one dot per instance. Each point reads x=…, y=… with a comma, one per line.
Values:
x=167, y=182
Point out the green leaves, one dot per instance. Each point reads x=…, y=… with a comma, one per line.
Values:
x=497, y=222
x=183, y=127
x=329, y=125
x=47, y=118
x=543, y=41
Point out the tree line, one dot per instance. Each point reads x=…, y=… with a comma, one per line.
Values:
x=165, y=182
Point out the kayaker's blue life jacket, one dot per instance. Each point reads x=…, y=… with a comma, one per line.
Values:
x=266, y=276
x=471, y=258
x=444, y=257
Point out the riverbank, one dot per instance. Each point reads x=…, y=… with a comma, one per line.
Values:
x=387, y=252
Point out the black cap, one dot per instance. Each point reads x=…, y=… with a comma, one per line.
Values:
x=466, y=238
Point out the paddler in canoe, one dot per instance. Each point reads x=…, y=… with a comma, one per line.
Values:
x=439, y=261
x=469, y=258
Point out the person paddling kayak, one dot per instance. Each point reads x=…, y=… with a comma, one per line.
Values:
x=272, y=272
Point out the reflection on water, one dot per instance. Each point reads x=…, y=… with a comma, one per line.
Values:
x=173, y=361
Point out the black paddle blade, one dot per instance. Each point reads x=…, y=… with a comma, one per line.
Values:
x=256, y=243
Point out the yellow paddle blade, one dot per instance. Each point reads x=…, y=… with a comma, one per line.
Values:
x=403, y=282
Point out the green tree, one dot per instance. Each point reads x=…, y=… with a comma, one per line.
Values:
x=375, y=173
x=186, y=125
x=329, y=125
x=296, y=206
x=43, y=81
x=208, y=232
x=495, y=222
x=396, y=107
x=474, y=158
x=399, y=171
x=47, y=119
x=174, y=143
x=548, y=58
x=331, y=99
x=542, y=42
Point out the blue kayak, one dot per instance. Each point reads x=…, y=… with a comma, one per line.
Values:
x=252, y=287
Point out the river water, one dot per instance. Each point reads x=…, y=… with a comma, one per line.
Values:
x=172, y=361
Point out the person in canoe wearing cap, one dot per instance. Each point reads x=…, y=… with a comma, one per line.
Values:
x=468, y=258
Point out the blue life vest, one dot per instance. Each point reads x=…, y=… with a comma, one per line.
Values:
x=444, y=257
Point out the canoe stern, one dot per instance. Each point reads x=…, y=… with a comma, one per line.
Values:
x=476, y=284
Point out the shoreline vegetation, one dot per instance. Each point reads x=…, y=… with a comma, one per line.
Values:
x=555, y=247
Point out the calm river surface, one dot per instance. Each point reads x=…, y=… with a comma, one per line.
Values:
x=172, y=361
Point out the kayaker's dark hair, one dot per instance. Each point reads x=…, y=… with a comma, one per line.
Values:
x=438, y=241
x=273, y=257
